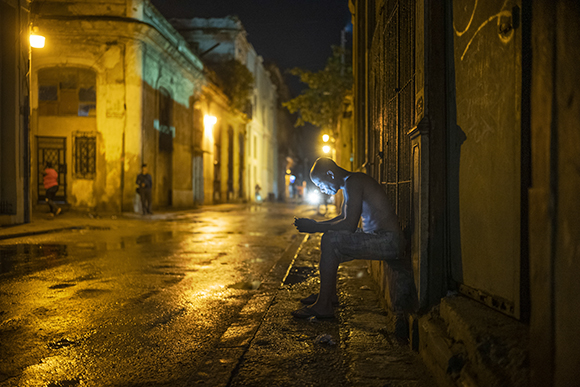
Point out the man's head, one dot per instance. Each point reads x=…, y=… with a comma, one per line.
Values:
x=326, y=175
x=144, y=169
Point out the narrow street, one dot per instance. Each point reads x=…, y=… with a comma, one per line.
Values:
x=136, y=302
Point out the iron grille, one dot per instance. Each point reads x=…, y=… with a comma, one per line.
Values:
x=392, y=85
x=53, y=150
x=7, y=208
x=85, y=156
x=165, y=120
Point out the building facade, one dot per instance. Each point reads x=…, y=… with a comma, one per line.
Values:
x=289, y=151
x=115, y=87
x=224, y=144
x=218, y=40
x=470, y=133
x=14, y=164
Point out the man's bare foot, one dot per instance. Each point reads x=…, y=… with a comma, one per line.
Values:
x=311, y=299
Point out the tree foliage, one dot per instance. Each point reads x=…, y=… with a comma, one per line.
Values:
x=237, y=82
x=321, y=103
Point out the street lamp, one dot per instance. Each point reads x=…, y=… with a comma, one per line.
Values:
x=325, y=137
x=326, y=148
x=36, y=40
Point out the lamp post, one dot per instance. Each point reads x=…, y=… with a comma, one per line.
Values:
x=36, y=40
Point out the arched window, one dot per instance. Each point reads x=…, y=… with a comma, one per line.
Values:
x=67, y=91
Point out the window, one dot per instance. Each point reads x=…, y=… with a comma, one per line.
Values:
x=85, y=155
x=67, y=91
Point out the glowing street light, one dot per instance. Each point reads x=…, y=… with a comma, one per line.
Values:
x=36, y=40
x=325, y=137
x=208, y=123
x=326, y=148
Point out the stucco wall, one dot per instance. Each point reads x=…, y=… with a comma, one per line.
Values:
x=133, y=61
x=554, y=210
x=14, y=170
x=64, y=49
x=487, y=77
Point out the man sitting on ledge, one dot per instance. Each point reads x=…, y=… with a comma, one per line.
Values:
x=380, y=238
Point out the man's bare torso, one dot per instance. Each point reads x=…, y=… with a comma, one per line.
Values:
x=377, y=213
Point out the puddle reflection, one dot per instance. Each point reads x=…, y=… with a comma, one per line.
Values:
x=34, y=256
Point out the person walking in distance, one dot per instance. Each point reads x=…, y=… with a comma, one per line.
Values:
x=145, y=182
x=50, y=182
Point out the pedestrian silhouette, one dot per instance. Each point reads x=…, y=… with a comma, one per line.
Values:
x=50, y=182
x=144, y=183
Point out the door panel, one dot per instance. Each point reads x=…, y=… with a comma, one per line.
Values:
x=486, y=150
x=53, y=150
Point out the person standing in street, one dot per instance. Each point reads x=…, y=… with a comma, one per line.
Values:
x=144, y=183
x=50, y=182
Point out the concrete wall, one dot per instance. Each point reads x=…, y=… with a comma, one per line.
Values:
x=554, y=211
x=498, y=206
x=487, y=77
x=14, y=164
x=212, y=102
x=289, y=150
x=261, y=145
x=135, y=56
x=107, y=61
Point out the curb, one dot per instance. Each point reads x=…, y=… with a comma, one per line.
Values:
x=49, y=231
x=223, y=362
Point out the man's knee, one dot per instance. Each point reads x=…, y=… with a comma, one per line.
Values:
x=328, y=252
x=325, y=243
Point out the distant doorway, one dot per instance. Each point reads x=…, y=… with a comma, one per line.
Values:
x=52, y=150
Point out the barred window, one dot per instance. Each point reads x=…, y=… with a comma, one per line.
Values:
x=85, y=155
x=165, y=121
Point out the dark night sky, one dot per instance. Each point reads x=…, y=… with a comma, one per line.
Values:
x=292, y=33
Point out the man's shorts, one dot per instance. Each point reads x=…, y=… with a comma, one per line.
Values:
x=381, y=245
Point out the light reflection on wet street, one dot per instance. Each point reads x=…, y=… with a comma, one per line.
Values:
x=138, y=304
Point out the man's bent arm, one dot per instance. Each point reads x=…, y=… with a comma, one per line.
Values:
x=348, y=219
x=339, y=217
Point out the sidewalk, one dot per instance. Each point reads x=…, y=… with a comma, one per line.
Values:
x=271, y=348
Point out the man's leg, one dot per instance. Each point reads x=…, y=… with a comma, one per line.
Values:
x=143, y=201
x=149, y=201
x=328, y=268
x=50, y=195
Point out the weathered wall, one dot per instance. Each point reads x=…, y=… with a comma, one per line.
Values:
x=14, y=169
x=213, y=102
x=133, y=62
x=171, y=169
x=554, y=211
x=487, y=63
x=72, y=50
x=416, y=96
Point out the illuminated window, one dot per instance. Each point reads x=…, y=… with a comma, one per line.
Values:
x=67, y=91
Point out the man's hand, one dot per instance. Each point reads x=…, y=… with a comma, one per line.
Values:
x=305, y=225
